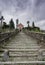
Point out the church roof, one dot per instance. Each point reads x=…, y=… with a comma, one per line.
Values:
x=21, y=25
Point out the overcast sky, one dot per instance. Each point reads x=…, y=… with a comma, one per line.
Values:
x=32, y=10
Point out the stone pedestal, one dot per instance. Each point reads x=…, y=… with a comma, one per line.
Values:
x=6, y=55
x=40, y=56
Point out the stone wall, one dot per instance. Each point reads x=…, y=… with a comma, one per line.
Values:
x=36, y=35
x=7, y=35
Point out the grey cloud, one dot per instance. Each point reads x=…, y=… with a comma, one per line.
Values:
x=39, y=2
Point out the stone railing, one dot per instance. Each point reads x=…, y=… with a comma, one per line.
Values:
x=37, y=35
x=7, y=35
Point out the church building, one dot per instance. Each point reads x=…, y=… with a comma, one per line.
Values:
x=20, y=26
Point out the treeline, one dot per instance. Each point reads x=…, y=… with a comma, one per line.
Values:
x=10, y=25
x=4, y=25
x=33, y=27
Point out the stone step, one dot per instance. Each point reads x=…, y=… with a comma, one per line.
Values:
x=21, y=44
x=21, y=55
x=2, y=50
x=15, y=45
x=25, y=58
x=22, y=58
x=23, y=63
x=18, y=50
x=24, y=55
x=21, y=47
x=23, y=52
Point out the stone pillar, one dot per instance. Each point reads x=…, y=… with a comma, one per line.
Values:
x=40, y=56
x=6, y=55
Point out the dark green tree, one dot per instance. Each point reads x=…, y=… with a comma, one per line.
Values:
x=17, y=21
x=11, y=24
x=28, y=23
x=33, y=24
x=1, y=19
x=5, y=26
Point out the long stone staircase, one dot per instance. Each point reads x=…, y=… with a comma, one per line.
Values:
x=22, y=48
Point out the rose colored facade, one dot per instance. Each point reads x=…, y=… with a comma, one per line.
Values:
x=20, y=26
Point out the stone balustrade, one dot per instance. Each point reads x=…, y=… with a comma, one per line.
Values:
x=5, y=36
x=37, y=35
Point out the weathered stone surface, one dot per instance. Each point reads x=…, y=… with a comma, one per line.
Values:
x=38, y=36
x=23, y=41
x=24, y=48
